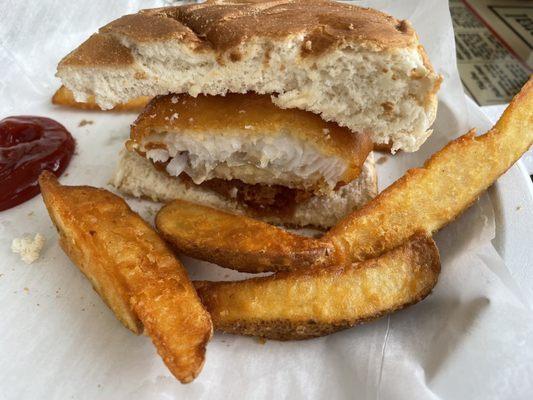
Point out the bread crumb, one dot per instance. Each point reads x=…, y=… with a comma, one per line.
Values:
x=325, y=131
x=191, y=120
x=261, y=340
x=248, y=127
x=174, y=99
x=84, y=122
x=242, y=111
x=233, y=192
x=29, y=249
x=174, y=116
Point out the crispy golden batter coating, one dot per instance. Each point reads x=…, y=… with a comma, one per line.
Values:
x=322, y=300
x=192, y=228
x=64, y=97
x=133, y=270
x=425, y=199
x=250, y=115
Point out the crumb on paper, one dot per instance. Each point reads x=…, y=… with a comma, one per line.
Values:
x=381, y=160
x=261, y=340
x=84, y=122
x=30, y=214
x=27, y=290
x=518, y=208
x=28, y=248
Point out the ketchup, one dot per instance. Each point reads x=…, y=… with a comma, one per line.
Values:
x=28, y=146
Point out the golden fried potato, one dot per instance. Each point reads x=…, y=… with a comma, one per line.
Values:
x=240, y=243
x=428, y=198
x=64, y=97
x=319, y=301
x=424, y=199
x=132, y=269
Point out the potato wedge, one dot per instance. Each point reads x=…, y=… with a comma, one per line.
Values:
x=133, y=270
x=428, y=198
x=64, y=97
x=322, y=300
x=424, y=199
x=236, y=241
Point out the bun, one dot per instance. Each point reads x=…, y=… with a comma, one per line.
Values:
x=137, y=177
x=358, y=67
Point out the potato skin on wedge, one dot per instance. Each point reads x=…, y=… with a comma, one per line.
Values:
x=428, y=198
x=238, y=242
x=322, y=300
x=133, y=270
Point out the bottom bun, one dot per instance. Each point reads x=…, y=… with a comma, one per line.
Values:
x=137, y=177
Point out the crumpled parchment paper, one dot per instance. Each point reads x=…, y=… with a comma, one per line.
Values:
x=471, y=339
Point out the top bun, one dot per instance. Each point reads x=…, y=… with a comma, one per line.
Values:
x=355, y=66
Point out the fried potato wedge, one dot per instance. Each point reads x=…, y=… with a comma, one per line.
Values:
x=428, y=198
x=64, y=97
x=239, y=242
x=319, y=301
x=133, y=270
x=424, y=199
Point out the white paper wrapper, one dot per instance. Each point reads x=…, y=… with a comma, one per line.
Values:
x=471, y=339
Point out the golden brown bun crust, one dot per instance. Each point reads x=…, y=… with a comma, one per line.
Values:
x=146, y=27
x=99, y=51
x=323, y=22
x=251, y=115
x=222, y=27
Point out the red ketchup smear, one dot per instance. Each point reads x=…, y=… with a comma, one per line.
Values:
x=28, y=146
